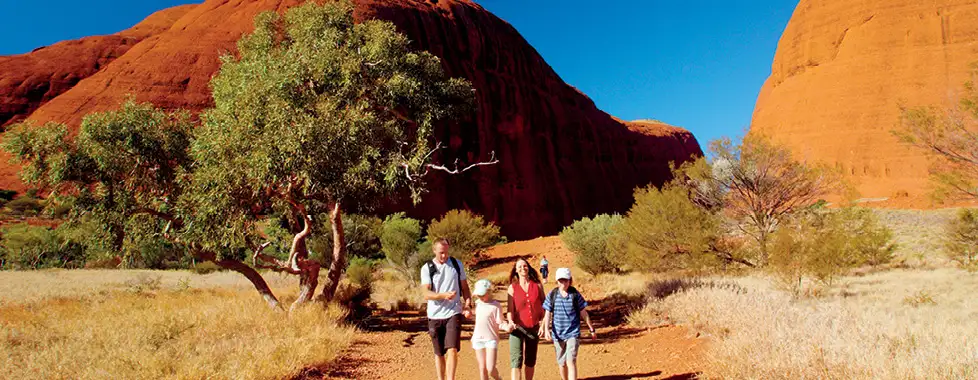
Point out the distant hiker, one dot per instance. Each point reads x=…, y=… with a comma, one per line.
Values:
x=443, y=279
x=485, y=336
x=524, y=309
x=543, y=269
x=565, y=307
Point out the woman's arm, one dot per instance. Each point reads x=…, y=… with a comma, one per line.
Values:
x=510, y=304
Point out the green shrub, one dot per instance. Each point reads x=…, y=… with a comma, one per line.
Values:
x=399, y=238
x=35, y=247
x=205, y=267
x=821, y=244
x=360, y=271
x=466, y=232
x=961, y=236
x=25, y=206
x=362, y=234
x=666, y=230
x=589, y=240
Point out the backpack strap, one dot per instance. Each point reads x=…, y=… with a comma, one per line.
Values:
x=432, y=269
x=458, y=273
x=571, y=292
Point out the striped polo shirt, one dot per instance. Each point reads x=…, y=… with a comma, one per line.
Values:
x=566, y=319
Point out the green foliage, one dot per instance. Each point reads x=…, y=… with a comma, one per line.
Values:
x=34, y=247
x=399, y=241
x=360, y=271
x=122, y=165
x=590, y=240
x=362, y=233
x=821, y=244
x=961, y=236
x=666, y=230
x=315, y=108
x=950, y=135
x=25, y=206
x=759, y=184
x=466, y=232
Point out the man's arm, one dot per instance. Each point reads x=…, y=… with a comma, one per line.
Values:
x=466, y=298
x=432, y=296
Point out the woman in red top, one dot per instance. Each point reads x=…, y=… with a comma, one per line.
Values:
x=524, y=311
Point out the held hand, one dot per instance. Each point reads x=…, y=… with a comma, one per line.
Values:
x=594, y=334
x=542, y=332
x=467, y=313
x=547, y=335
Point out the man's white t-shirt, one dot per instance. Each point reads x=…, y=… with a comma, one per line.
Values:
x=446, y=280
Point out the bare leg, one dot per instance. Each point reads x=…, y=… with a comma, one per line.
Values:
x=563, y=372
x=480, y=356
x=529, y=373
x=491, y=369
x=440, y=367
x=571, y=369
x=451, y=363
x=516, y=374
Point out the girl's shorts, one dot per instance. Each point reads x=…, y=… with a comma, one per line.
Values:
x=481, y=344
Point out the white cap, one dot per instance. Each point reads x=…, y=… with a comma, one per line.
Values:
x=482, y=287
x=563, y=274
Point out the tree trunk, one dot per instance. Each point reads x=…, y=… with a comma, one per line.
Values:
x=339, y=256
x=308, y=280
x=256, y=279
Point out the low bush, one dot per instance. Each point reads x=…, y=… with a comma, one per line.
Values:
x=467, y=233
x=590, y=239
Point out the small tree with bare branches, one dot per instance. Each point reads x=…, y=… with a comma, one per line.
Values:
x=951, y=136
x=758, y=184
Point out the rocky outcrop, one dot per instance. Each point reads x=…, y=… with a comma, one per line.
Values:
x=844, y=68
x=561, y=157
x=29, y=80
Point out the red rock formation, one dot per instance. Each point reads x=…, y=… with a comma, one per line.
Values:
x=29, y=80
x=842, y=70
x=561, y=157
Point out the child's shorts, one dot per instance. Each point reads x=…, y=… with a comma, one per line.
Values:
x=566, y=350
x=481, y=344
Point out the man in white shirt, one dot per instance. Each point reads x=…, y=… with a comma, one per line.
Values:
x=443, y=280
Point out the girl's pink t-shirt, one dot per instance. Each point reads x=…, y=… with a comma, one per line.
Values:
x=488, y=317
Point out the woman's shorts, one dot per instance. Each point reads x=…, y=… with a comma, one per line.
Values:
x=482, y=344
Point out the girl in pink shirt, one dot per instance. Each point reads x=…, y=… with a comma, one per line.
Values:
x=485, y=338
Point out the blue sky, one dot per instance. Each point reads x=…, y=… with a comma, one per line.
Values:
x=698, y=64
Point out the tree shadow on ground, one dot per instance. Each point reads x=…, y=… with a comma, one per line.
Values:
x=340, y=368
x=624, y=377
x=685, y=376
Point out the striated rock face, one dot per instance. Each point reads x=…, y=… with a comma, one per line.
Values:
x=842, y=70
x=561, y=157
x=29, y=80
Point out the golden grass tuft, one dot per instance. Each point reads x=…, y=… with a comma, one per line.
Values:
x=167, y=333
x=862, y=327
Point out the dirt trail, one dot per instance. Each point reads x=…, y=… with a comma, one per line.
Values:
x=397, y=346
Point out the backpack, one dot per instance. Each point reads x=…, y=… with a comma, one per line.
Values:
x=432, y=270
x=570, y=291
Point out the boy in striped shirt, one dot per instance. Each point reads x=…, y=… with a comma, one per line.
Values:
x=565, y=307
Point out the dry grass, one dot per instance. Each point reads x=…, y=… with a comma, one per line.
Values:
x=918, y=235
x=892, y=325
x=124, y=332
x=390, y=291
x=34, y=286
